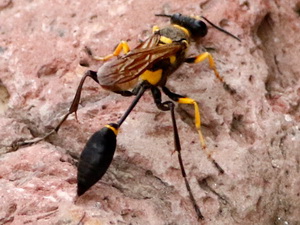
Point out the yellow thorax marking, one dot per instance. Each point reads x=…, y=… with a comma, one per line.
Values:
x=172, y=59
x=112, y=128
x=165, y=40
x=153, y=77
x=186, y=31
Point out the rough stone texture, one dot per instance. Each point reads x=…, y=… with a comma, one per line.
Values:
x=251, y=123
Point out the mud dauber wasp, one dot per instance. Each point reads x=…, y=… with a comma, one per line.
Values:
x=146, y=67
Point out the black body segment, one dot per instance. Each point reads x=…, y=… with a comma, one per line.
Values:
x=95, y=158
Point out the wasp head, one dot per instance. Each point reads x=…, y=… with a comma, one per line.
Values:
x=195, y=26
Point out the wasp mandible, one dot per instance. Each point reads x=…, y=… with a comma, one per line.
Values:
x=146, y=67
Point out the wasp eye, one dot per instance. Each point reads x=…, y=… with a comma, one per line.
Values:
x=176, y=18
x=200, y=28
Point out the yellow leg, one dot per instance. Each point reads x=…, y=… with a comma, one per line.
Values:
x=123, y=45
x=186, y=100
x=211, y=61
x=155, y=29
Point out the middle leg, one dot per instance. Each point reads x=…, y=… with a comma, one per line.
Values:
x=185, y=100
x=169, y=106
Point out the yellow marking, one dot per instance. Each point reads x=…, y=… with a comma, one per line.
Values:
x=211, y=61
x=166, y=40
x=196, y=17
x=155, y=29
x=153, y=77
x=185, y=42
x=186, y=31
x=123, y=45
x=172, y=59
x=197, y=117
x=113, y=129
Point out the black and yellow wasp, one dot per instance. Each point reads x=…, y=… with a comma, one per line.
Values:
x=147, y=66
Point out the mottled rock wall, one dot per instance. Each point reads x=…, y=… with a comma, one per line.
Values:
x=250, y=123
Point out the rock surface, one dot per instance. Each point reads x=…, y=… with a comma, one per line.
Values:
x=250, y=123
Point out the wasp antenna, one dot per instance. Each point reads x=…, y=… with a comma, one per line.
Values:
x=163, y=15
x=220, y=29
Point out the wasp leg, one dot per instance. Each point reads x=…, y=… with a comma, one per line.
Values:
x=169, y=106
x=125, y=93
x=185, y=100
x=98, y=153
x=123, y=45
x=202, y=57
x=73, y=108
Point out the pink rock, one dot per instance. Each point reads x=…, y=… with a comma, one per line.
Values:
x=251, y=124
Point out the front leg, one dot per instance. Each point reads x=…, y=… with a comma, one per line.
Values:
x=123, y=45
x=202, y=57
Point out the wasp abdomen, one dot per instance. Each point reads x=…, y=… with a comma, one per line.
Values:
x=96, y=157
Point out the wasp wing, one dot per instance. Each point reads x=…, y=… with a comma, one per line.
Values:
x=128, y=67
